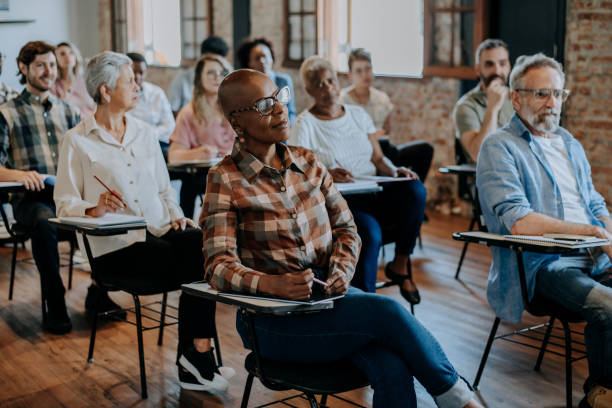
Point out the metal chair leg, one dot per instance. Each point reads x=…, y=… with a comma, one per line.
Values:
x=217, y=348
x=464, y=250
x=568, y=363
x=247, y=391
x=420, y=241
x=162, y=319
x=70, y=264
x=13, y=265
x=94, y=328
x=323, y=401
x=551, y=323
x=143, y=375
x=312, y=400
x=487, y=349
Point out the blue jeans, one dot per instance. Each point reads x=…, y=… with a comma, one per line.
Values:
x=569, y=284
x=380, y=336
x=395, y=213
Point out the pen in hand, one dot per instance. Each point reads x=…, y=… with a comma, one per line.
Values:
x=111, y=191
x=320, y=282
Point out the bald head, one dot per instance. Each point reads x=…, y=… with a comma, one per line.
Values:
x=242, y=88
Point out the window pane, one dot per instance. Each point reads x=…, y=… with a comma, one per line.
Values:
x=309, y=6
x=441, y=39
x=188, y=31
x=466, y=36
x=187, y=8
x=295, y=51
x=201, y=30
x=295, y=6
x=201, y=9
x=464, y=3
x=310, y=28
x=295, y=28
x=309, y=48
x=188, y=52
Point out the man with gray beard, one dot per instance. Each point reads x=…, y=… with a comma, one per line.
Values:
x=533, y=178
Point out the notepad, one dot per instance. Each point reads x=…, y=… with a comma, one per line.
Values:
x=382, y=179
x=107, y=220
x=547, y=240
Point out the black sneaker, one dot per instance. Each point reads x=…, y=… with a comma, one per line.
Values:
x=105, y=304
x=203, y=368
x=58, y=321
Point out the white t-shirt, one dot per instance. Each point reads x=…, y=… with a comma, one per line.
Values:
x=379, y=105
x=341, y=142
x=556, y=154
x=153, y=108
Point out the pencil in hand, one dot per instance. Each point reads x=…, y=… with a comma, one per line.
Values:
x=111, y=191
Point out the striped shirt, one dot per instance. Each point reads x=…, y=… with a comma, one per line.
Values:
x=30, y=132
x=258, y=220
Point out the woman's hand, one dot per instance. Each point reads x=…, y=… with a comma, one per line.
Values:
x=340, y=175
x=406, y=172
x=293, y=286
x=107, y=203
x=182, y=223
x=206, y=152
x=337, y=284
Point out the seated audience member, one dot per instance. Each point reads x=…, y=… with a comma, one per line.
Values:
x=264, y=183
x=378, y=105
x=153, y=106
x=121, y=150
x=343, y=138
x=534, y=178
x=181, y=88
x=28, y=156
x=201, y=131
x=258, y=54
x=6, y=92
x=70, y=85
x=486, y=107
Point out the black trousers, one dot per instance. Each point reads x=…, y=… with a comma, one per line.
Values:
x=33, y=210
x=191, y=187
x=162, y=264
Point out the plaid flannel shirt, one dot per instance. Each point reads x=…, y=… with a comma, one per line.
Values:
x=257, y=220
x=30, y=132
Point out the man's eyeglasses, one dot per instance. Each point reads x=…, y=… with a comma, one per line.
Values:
x=265, y=106
x=543, y=94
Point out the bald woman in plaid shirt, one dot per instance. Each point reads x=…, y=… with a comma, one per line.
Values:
x=272, y=220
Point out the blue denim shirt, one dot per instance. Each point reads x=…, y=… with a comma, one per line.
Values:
x=281, y=80
x=514, y=179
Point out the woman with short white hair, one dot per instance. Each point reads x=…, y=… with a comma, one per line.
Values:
x=124, y=153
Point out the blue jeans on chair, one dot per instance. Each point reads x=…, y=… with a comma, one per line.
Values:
x=566, y=282
x=380, y=336
x=395, y=214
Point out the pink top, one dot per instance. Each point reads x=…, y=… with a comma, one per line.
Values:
x=77, y=95
x=191, y=133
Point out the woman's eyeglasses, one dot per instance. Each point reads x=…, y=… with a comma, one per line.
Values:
x=216, y=74
x=265, y=106
x=543, y=94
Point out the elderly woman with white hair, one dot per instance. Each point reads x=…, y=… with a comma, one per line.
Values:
x=123, y=152
x=344, y=138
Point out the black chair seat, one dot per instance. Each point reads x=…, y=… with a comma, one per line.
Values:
x=325, y=378
x=544, y=307
x=136, y=284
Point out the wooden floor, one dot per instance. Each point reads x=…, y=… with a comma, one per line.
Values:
x=44, y=370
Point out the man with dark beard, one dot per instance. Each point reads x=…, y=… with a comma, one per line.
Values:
x=486, y=107
x=534, y=178
x=31, y=126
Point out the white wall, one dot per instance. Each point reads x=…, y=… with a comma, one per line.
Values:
x=56, y=21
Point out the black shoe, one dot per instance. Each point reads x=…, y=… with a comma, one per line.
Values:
x=203, y=368
x=58, y=321
x=412, y=296
x=105, y=304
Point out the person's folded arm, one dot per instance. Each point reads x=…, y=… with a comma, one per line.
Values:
x=222, y=266
x=346, y=242
x=69, y=183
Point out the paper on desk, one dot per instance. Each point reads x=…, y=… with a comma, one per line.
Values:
x=108, y=219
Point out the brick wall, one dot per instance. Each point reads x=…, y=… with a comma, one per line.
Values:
x=588, y=68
